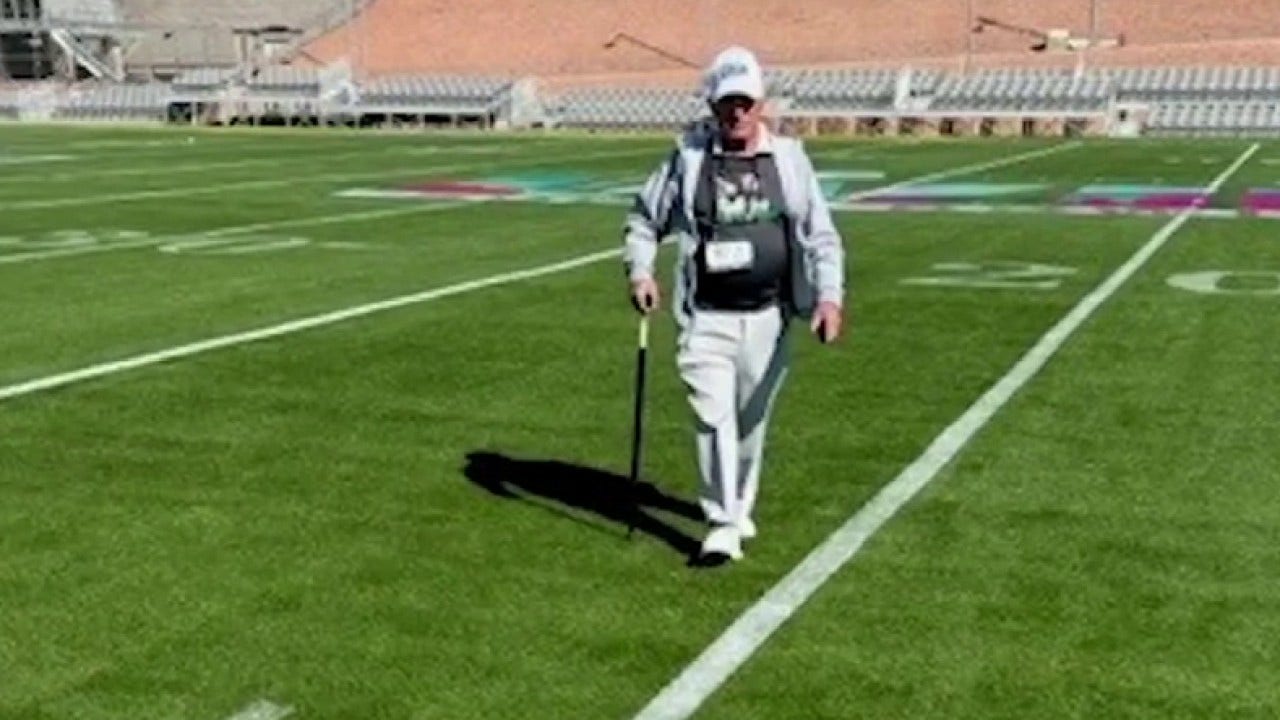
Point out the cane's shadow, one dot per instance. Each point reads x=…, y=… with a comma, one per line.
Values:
x=603, y=493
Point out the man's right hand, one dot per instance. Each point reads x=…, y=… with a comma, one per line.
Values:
x=645, y=295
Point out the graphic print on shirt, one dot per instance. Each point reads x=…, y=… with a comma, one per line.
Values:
x=741, y=200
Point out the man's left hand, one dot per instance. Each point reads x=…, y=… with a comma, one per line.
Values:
x=827, y=321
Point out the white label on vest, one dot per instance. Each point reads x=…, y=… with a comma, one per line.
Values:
x=729, y=255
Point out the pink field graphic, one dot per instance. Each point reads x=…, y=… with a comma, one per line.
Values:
x=1139, y=197
x=1261, y=201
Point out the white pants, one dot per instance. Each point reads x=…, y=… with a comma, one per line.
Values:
x=732, y=364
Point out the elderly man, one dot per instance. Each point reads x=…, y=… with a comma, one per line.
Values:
x=757, y=248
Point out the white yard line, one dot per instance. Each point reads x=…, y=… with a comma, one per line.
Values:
x=263, y=710
x=686, y=693
x=294, y=326
x=44, y=204
x=965, y=170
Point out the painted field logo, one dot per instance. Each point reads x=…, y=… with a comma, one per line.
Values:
x=1261, y=201
x=1140, y=197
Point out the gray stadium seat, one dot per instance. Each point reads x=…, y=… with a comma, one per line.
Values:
x=435, y=93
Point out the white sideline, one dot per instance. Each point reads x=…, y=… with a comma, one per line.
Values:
x=293, y=326
x=109, y=368
x=683, y=696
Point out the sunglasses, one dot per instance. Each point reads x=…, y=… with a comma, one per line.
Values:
x=730, y=103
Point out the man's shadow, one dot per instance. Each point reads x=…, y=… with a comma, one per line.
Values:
x=603, y=493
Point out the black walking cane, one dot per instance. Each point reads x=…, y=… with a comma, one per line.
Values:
x=637, y=424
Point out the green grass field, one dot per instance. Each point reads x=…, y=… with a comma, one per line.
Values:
x=417, y=510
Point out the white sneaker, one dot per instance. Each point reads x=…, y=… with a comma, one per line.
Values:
x=746, y=528
x=722, y=542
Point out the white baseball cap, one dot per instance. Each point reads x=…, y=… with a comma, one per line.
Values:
x=735, y=71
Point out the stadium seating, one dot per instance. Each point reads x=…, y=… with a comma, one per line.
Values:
x=1023, y=91
x=203, y=79
x=843, y=89
x=33, y=101
x=1213, y=100
x=1215, y=118
x=115, y=101
x=443, y=93
x=285, y=79
x=854, y=91
x=608, y=108
x=1196, y=83
x=1205, y=100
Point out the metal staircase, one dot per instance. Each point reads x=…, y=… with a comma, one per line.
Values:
x=84, y=56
